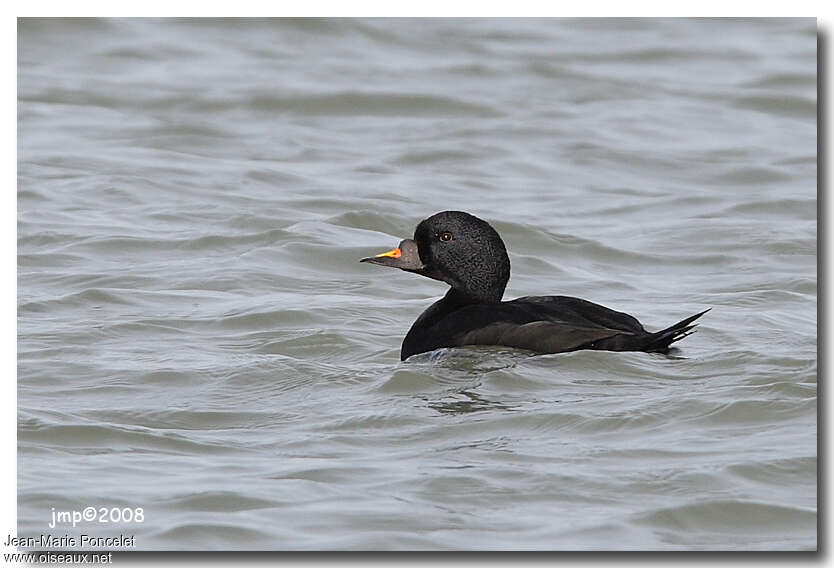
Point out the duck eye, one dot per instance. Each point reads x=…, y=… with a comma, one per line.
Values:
x=446, y=237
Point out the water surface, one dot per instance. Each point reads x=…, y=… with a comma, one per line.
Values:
x=197, y=338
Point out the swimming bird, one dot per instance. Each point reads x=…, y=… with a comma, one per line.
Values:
x=469, y=255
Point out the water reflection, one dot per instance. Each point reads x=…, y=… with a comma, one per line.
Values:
x=468, y=401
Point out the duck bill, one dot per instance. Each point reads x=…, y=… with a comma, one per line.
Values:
x=388, y=258
x=404, y=257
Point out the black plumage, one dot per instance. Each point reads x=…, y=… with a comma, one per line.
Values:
x=469, y=255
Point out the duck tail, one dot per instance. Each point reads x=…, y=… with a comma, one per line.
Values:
x=661, y=340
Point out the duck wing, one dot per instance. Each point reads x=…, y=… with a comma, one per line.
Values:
x=539, y=336
x=582, y=313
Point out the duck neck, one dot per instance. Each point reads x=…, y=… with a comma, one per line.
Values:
x=457, y=297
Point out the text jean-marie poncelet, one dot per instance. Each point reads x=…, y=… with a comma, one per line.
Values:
x=50, y=541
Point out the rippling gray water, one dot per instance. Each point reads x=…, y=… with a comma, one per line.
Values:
x=197, y=338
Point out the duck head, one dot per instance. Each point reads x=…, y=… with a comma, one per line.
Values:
x=459, y=249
